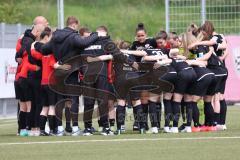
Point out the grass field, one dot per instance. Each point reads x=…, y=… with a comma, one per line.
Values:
x=212, y=146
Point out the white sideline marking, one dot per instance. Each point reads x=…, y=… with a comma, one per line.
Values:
x=119, y=140
x=8, y=124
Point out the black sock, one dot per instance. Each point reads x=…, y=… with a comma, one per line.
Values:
x=145, y=115
x=111, y=122
x=120, y=116
x=216, y=118
x=168, y=114
x=176, y=113
x=43, y=120
x=209, y=113
x=196, y=114
x=159, y=114
x=189, y=113
x=153, y=113
x=100, y=123
x=52, y=122
x=74, y=117
x=68, y=117
x=183, y=111
x=223, y=112
x=22, y=119
x=140, y=118
x=59, y=112
x=28, y=120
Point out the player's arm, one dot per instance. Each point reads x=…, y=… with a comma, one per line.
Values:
x=99, y=58
x=206, y=56
x=197, y=63
x=135, y=53
x=155, y=57
x=35, y=54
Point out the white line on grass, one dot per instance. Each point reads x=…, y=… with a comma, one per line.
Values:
x=119, y=140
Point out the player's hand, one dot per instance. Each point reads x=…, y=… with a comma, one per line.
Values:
x=157, y=65
x=91, y=59
x=38, y=68
x=221, y=58
x=65, y=67
x=135, y=65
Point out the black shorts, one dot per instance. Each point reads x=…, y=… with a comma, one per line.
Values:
x=25, y=93
x=184, y=79
x=49, y=98
x=125, y=86
x=17, y=89
x=200, y=86
x=220, y=78
x=170, y=76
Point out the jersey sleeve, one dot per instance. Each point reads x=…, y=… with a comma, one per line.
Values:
x=35, y=54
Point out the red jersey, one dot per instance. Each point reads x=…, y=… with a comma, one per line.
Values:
x=110, y=72
x=26, y=66
x=47, y=65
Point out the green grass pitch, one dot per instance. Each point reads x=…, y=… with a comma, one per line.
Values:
x=130, y=146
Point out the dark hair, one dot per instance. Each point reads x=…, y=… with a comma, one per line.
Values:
x=208, y=28
x=173, y=35
x=140, y=27
x=103, y=28
x=84, y=30
x=46, y=32
x=71, y=20
x=121, y=44
x=162, y=35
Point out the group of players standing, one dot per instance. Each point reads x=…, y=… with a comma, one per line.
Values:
x=174, y=70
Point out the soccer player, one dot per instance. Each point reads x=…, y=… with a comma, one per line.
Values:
x=64, y=44
x=142, y=42
x=219, y=44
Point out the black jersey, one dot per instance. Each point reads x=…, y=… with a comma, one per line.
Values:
x=218, y=40
x=122, y=64
x=136, y=45
x=94, y=50
x=157, y=52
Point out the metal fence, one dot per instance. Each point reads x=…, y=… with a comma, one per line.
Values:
x=225, y=14
x=9, y=34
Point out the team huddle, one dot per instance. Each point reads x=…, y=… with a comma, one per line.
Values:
x=55, y=67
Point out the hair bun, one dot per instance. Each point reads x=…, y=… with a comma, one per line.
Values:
x=140, y=25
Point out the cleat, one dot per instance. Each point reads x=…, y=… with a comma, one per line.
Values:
x=153, y=130
x=174, y=130
x=107, y=132
x=68, y=131
x=196, y=129
x=204, y=128
x=182, y=127
x=224, y=127
x=60, y=131
x=23, y=133
x=93, y=129
x=212, y=128
x=166, y=130
x=187, y=129
x=76, y=131
x=87, y=132
x=43, y=133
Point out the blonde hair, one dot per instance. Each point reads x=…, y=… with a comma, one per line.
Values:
x=187, y=39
